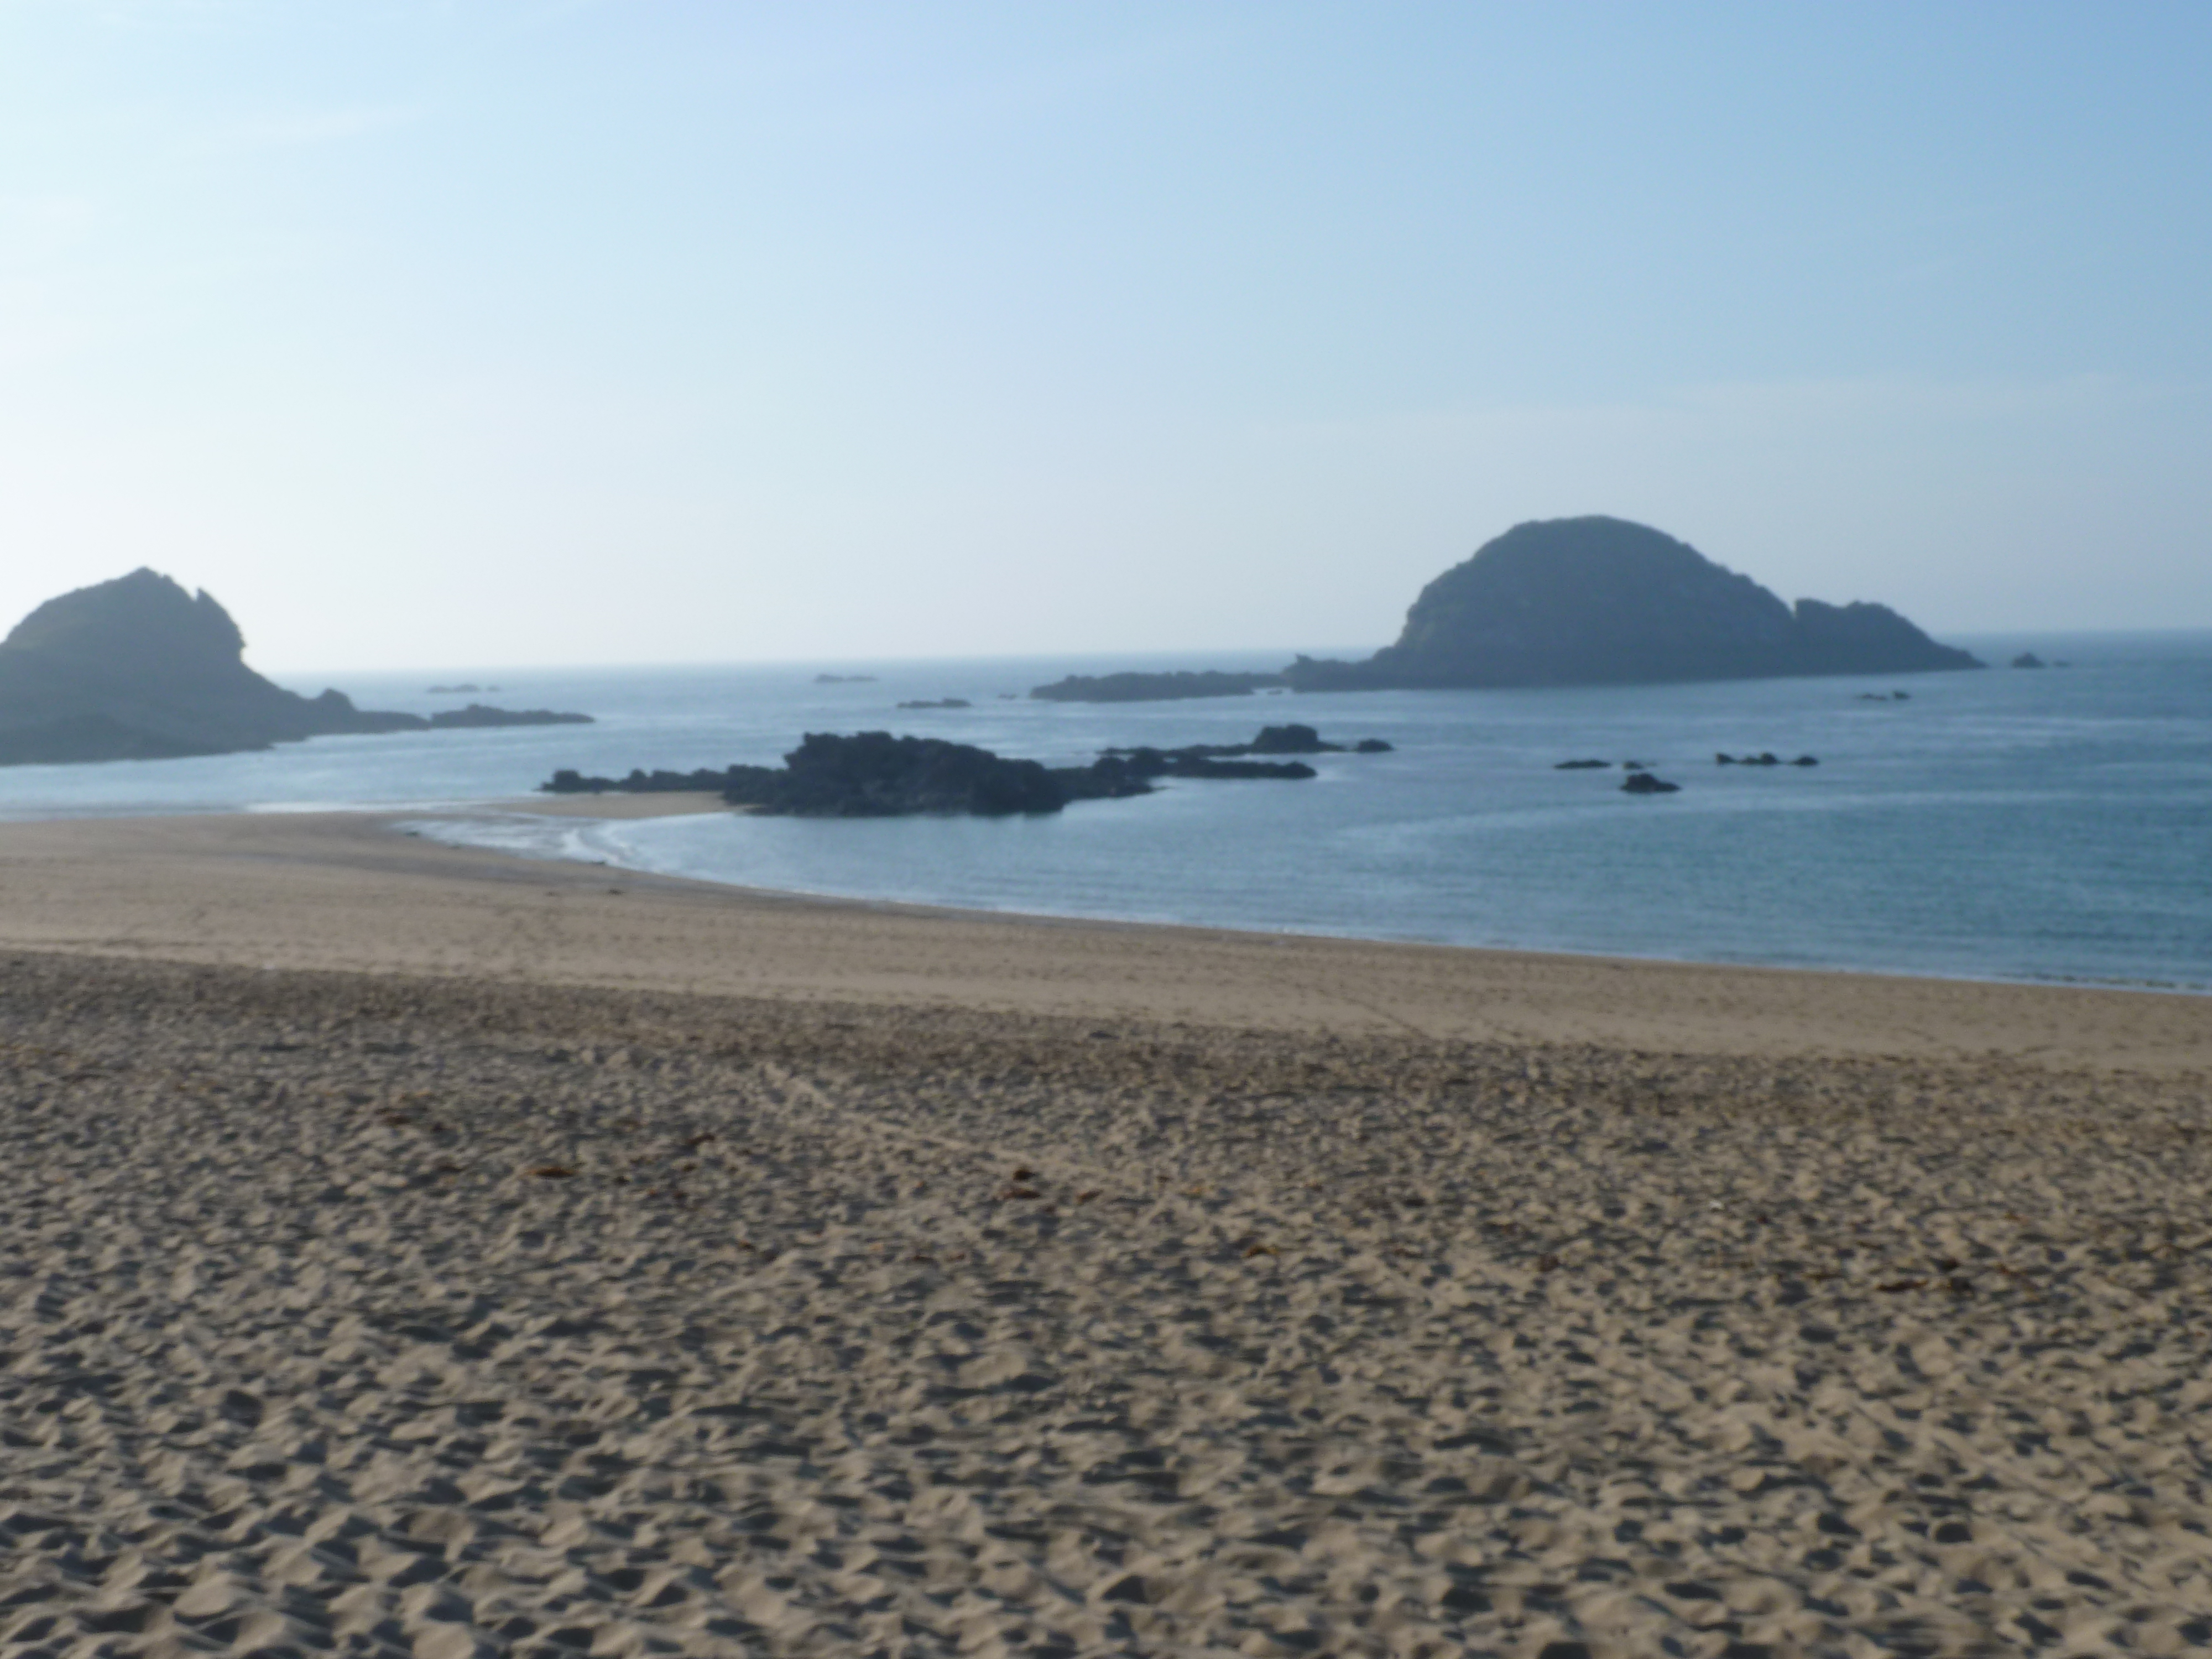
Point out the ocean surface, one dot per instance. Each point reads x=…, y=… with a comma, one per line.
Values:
x=2052, y=825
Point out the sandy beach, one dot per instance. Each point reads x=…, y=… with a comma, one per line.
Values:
x=421, y=1250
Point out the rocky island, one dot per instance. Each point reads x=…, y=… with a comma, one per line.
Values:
x=1600, y=601
x=875, y=775
x=138, y=669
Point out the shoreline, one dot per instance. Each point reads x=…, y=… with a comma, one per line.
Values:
x=617, y=808
x=352, y=891
x=635, y=808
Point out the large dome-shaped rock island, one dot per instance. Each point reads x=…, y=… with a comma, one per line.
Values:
x=1599, y=601
x=138, y=669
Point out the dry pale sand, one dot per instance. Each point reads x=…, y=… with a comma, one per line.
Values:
x=414, y=1250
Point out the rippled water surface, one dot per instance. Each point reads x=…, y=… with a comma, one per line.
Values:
x=2008, y=824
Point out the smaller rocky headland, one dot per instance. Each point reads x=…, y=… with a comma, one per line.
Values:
x=138, y=669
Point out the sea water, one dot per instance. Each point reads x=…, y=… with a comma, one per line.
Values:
x=2011, y=824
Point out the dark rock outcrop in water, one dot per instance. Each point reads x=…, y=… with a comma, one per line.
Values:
x=707, y=781
x=1597, y=601
x=1647, y=783
x=138, y=669
x=1153, y=688
x=940, y=702
x=875, y=775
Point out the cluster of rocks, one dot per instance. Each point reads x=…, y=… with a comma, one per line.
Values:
x=875, y=775
x=1763, y=759
x=1226, y=760
x=940, y=702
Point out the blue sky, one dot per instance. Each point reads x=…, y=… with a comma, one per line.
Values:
x=496, y=333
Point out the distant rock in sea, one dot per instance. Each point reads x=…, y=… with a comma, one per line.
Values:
x=466, y=689
x=844, y=679
x=1289, y=740
x=138, y=669
x=2028, y=660
x=1599, y=601
x=478, y=713
x=1153, y=688
x=941, y=703
x=1648, y=783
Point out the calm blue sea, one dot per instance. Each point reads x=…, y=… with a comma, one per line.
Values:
x=2009, y=824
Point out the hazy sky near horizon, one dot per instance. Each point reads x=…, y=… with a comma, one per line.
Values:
x=514, y=331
